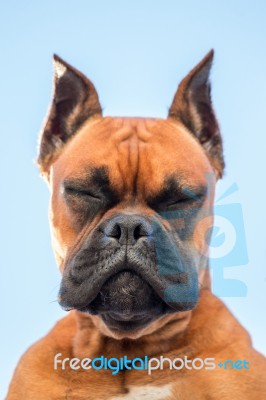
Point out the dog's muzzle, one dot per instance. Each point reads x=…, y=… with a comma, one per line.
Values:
x=130, y=268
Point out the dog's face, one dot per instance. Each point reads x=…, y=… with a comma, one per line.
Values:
x=131, y=204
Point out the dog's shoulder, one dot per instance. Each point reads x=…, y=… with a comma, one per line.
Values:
x=35, y=370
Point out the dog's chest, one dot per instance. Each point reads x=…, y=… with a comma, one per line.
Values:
x=146, y=393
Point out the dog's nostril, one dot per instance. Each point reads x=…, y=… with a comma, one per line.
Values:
x=139, y=231
x=115, y=232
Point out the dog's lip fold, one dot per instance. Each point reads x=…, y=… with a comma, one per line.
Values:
x=79, y=295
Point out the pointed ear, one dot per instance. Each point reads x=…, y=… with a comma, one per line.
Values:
x=74, y=101
x=193, y=107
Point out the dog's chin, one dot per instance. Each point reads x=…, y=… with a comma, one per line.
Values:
x=117, y=324
x=126, y=306
x=166, y=325
x=131, y=330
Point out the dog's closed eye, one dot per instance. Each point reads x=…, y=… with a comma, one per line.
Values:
x=81, y=192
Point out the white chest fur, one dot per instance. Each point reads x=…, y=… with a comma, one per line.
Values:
x=146, y=393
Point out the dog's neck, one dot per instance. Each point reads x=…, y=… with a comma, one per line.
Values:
x=176, y=337
x=91, y=342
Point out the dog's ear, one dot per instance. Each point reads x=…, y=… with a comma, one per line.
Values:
x=74, y=101
x=193, y=107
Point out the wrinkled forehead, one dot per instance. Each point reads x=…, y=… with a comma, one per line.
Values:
x=134, y=154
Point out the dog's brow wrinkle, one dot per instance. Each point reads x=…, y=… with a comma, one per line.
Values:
x=127, y=145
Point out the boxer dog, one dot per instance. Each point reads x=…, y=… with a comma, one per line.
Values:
x=131, y=216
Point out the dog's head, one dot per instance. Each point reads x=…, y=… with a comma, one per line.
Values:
x=131, y=201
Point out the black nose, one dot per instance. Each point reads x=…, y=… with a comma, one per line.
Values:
x=127, y=229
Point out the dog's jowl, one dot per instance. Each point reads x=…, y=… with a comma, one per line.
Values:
x=131, y=213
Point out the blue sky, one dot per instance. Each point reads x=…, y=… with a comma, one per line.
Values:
x=135, y=53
